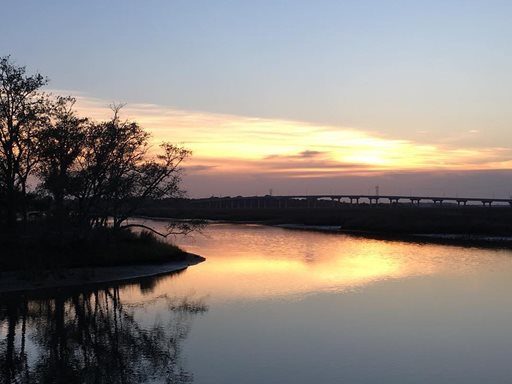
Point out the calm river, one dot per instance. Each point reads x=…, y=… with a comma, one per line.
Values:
x=271, y=305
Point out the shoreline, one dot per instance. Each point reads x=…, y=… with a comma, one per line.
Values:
x=487, y=241
x=455, y=239
x=14, y=282
x=394, y=219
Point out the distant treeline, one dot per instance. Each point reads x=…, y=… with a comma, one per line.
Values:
x=91, y=174
x=386, y=219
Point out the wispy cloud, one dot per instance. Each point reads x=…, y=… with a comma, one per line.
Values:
x=306, y=154
x=227, y=144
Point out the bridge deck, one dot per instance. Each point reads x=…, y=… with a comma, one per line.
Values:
x=357, y=199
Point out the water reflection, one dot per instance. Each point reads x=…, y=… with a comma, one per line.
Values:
x=94, y=336
x=248, y=262
x=283, y=307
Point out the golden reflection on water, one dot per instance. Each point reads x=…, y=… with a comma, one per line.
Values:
x=255, y=262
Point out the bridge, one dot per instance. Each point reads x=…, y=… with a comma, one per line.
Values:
x=330, y=200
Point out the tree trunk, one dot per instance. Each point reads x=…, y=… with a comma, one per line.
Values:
x=11, y=211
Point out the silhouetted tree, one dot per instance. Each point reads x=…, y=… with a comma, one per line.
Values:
x=62, y=141
x=22, y=112
x=117, y=172
x=97, y=173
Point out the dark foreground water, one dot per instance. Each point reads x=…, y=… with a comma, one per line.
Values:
x=276, y=306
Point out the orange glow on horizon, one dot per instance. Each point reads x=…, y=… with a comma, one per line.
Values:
x=227, y=144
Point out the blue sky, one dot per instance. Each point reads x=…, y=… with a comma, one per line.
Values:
x=431, y=72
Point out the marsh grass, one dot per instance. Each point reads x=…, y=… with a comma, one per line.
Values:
x=387, y=219
x=43, y=251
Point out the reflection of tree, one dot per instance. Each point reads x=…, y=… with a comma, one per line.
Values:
x=92, y=338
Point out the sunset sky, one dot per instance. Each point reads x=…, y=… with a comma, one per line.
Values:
x=294, y=96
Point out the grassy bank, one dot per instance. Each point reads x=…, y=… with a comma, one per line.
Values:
x=385, y=219
x=40, y=250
